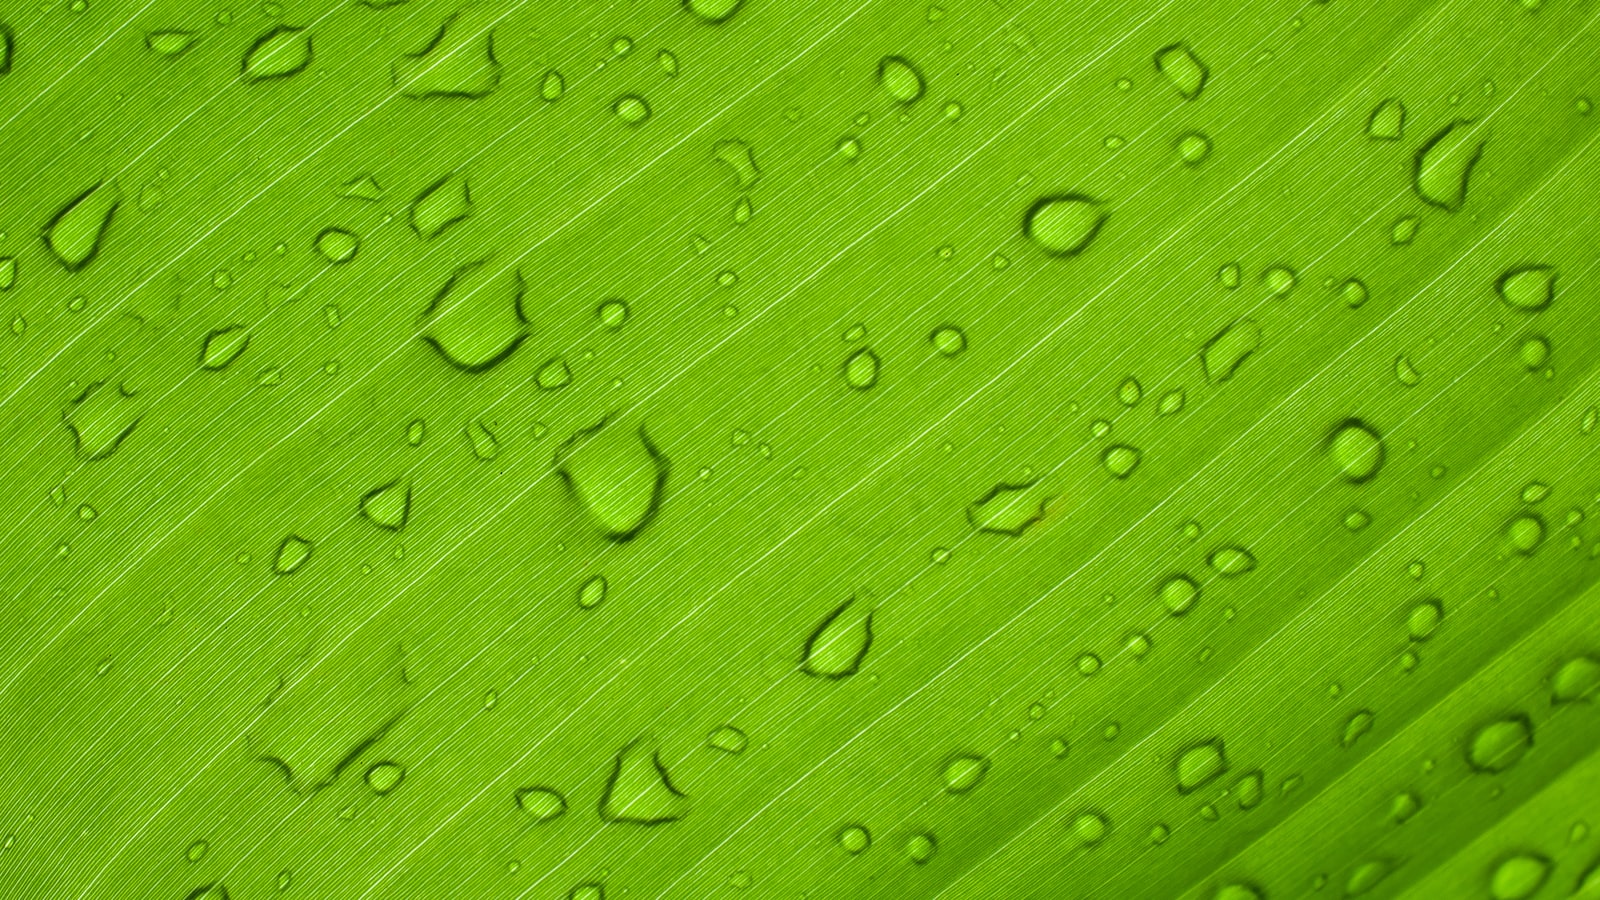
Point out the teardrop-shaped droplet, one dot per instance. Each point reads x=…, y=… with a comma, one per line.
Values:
x=1199, y=764
x=541, y=803
x=1008, y=509
x=1064, y=225
x=1231, y=561
x=281, y=52
x=293, y=553
x=1356, y=727
x=77, y=231
x=1444, y=164
x=169, y=42
x=839, y=643
x=728, y=739
x=1221, y=355
x=900, y=79
x=388, y=506
x=640, y=789
x=616, y=474
x=383, y=777
x=1387, y=121
x=1120, y=460
x=222, y=346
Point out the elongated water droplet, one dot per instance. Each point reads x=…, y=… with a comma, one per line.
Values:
x=222, y=346
x=1356, y=727
x=1424, y=619
x=1008, y=509
x=589, y=890
x=1576, y=680
x=728, y=739
x=1356, y=449
x=214, y=891
x=1366, y=876
x=171, y=42
x=1444, y=164
x=1171, y=402
x=1231, y=561
x=541, y=803
x=1065, y=224
x=1250, y=789
x=900, y=79
x=197, y=850
x=1519, y=876
x=861, y=369
x=279, y=53
x=1501, y=744
x=632, y=109
x=739, y=157
x=712, y=11
x=1221, y=356
x=1239, y=890
x=1528, y=288
x=964, y=771
x=459, y=61
x=640, y=790
x=553, y=375
x=593, y=592
x=1199, y=764
x=1182, y=69
x=1120, y=460
x=383, y=777
x=617, y=475
x=1404, y=805
x=1388, y=121
x=293, y=553
x=75, y=234
x=1405, y=372
x=839, y=643
x=388, y=506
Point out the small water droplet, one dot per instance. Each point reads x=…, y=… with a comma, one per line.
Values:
x=631, y=109
x=1404, y=230
x=1091, y=827
x=197, y=850
x=861, y=369
x=617, y=476
x=76, y=232
x=388, y=506
x=712, y=11
x=1130, y=392
x=854, y=839
x=741, y=159
x=1222, y=355
x=1008, y=509
x=337, y=245
x=728, y=739
x=592, y=593
x=964, y=771
x=384, y=776
x=1179, y=594
x=921, y=848
x=1231, y=561
x=416, y=432
x=222, y=346
x=485, y=443
x=1353, y=291
x=667, y=62
x=553, y=86
x=540, y=802
x=1525, y=533
x=171, y=42
x=441, y=204
x=1387, y=121
x=948, y=340
x=1519, y=876
x=1576, y=680
x=1424, y=619
x=279, y=53
x=1088, y=664
x=1120, y=460
x=293, y=553
x=1193, y=147
x=1356, y=449
x=457, y=63
x=1366, y=876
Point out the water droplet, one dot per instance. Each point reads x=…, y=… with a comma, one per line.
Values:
x=1388, y=120
x=1356, y=726
x=553, y=86
x=1221, y=356
x=1063, y=225
x=101, y=418
x=485, y=443
x=416, y=432
x=1130, y=392
x=541, y=803
x=589, y=890
x=1193, y=147
x=339, y=246
x=1424, y=619
x=1576, y=680
x=1404, y=805
x=861, y=369
x=1182, y=69
x=839, y=643
x=640, y=790
x=739, y=157
x=713, y=11
x=1090, y=827
x=1500, y=744
x=388, y=506
x=1366, y=876
x=1534, y=352
x=279, y=53
x=222, y=346
x=475, y=320
x=964, y=772
x=743, y=211
x=76, y=232
x=631, y=109
x=1137, y=644
x=459, y=62
x=667, y=62
x=1171, y=402
x=1199, y=764
x=1120, y=460
x=1179, y=594
x=1280, y=281
x=921, y=847
x=214, y=891
x=1353, y=292
x=170, y=42
x=728, y=739
x=293, y=553
x=948, y=340
x=1239, y=890
x=616, y=475
x=900, y=79
x=1358, y=451
x=849, y=148
x=1249, y=789
x=1405, y=372
x=854, y=839
x=1444, y=164
x=592, y=593
x=441, y=205
x=1230, y=275
x=362, y=187
x=197, y=850
x=1008, y=509
x=385, y=776
x=1529, y=288
x=1231, y=561
x=1525, y=533
x=1519, y=876
x=553, y=375
x=1088, y=665
x=1357, y=519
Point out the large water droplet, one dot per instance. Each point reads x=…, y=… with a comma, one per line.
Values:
x=1501, y=744
x=1519, y=876
x=861, y=369
x=76, y=232
x=101, y=418
x=640, y=790
x=1183, y=69
x=900, y=79
x=541, y=803
x=1064, y=225
x=222, y=346
x=1525, y=533
x=839, y=643
x=1388, y=121
x=854, y=839
x=1576, y=680
x=1528, y=288
x=553, y=87
x=1357, y=450
x=388, y=506
x=739, y=157
x=1221, y=355
x=281, y=52
x=713, y=11
x=458, y=62
x=1424, y=619
x=617, y=475
x=1008, y=509
x=1199, y=764
x=440, y=205
x=1444, y=164
x=1179, y=594
x=475, y=320
x=964, y=771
